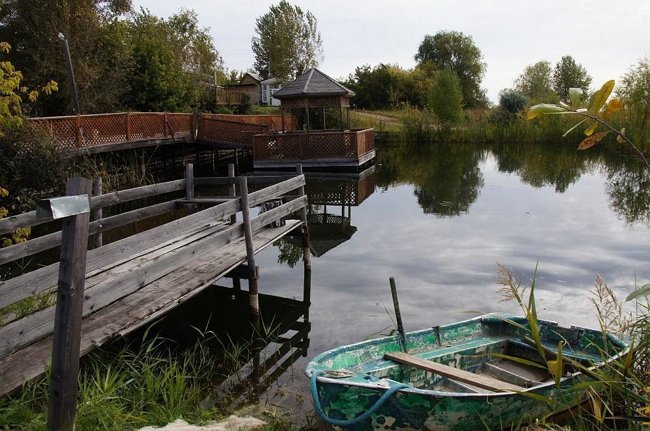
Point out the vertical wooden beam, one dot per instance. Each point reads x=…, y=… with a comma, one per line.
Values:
x=254, y=304
x=78, y=129
x=324, y=122
x=306, y=252
x=128, y=126
x=67, y=319
x=97, y=214
x=233, y=189
x=189, y=181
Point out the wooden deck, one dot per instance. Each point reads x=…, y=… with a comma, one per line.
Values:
x=91, y=134
x=136, y=279
x=314, y=149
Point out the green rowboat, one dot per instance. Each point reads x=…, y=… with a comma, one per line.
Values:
x=479, y=374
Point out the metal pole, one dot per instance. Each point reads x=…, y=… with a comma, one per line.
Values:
x=398, y=314
x=72, y=82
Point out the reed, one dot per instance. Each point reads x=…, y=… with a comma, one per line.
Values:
x=127, y=386
x=618, y=395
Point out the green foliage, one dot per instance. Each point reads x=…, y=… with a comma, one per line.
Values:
x=634, y=92
x=569, y=74
x=512, y=101
x=535, y=83
x=597, y=114
x=446, y=98
x=456, y=51
x=32, y=27
x=174, y=61
x=387, y=86
x=287, y=42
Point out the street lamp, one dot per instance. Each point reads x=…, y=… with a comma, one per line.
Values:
x=71, y=80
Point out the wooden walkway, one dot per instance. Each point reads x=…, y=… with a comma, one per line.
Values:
x=136, y=279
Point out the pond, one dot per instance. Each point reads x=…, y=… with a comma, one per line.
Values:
x=439, y=220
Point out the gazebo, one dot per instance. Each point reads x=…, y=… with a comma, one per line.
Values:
x=321, y=136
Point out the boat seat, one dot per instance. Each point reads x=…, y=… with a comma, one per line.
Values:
x=481, y=381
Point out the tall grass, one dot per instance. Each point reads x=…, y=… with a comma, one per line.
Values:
x=130, y=386
x=618, y=395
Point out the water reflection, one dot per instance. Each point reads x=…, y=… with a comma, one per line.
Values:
x=446, y=178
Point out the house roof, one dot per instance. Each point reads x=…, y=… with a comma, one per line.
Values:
x=312, y=83
x=252, y=76
x=270, y=81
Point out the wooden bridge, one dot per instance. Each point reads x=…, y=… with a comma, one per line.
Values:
x=261, y=134
x=135, y=279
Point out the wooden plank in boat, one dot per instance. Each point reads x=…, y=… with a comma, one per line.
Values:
x=481, y=381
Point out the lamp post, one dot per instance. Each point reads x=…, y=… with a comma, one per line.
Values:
x=71, y=80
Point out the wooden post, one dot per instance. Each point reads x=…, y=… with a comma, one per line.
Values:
x=97, y=214
x=78, y=131
x=128, y=126
x=306, y=251
x=189, y=181
x=254, y=304
x=67, y=319
x=236, y=282
x=398, y=314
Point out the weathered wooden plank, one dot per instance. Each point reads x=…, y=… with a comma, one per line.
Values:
x=10, y=224
x=110, y=285
x=139, y=308
x=46, y=242
x=44, y=278
x=277, y=213
x=276, y=190
x=481, y=381
x=128, y=195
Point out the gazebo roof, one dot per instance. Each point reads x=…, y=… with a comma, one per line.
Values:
x=313, y=83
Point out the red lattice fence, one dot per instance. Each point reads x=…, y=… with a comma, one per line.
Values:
x=82, y=131
x=216, y=130
x=313, y=145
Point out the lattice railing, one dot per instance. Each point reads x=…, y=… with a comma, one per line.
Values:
x=313, y=145
x=212, y=129
x=82, y=131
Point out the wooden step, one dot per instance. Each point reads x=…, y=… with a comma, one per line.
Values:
x=481, y=381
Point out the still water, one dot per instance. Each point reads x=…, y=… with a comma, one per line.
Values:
x=439, y=221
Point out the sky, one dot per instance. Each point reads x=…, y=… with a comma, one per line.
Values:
x=607, y=37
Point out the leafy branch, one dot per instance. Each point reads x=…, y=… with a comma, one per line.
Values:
x=597, y=113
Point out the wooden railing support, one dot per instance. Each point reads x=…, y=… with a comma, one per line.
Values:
x=78, y=140
x=253, y=296
x=306, y=251
x=67, y=321
x=128, y=126
x=97, y=213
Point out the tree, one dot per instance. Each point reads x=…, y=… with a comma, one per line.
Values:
x=634, y=91
x=386, y=86
x=287, y=43
x=569, y=74
x=512, y=101
x=535, y=82
x=457, y=52
x=174, y=62
x=32, y=28
x=446, y=98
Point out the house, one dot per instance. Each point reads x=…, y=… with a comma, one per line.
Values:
x=269, y=87
x=259, y=92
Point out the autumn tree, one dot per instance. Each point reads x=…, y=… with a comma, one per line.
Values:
x=287, y=42
x=535, y=83
x=569, y=74
x=455, y=51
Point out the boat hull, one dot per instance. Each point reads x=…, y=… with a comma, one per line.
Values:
x=423, y=405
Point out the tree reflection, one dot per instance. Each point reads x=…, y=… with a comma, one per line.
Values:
x=447, y=178
x=629, y=191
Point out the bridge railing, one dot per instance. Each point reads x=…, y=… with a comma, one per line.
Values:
x=73, y=132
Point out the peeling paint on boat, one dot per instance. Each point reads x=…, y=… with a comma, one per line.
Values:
x=465, y=345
